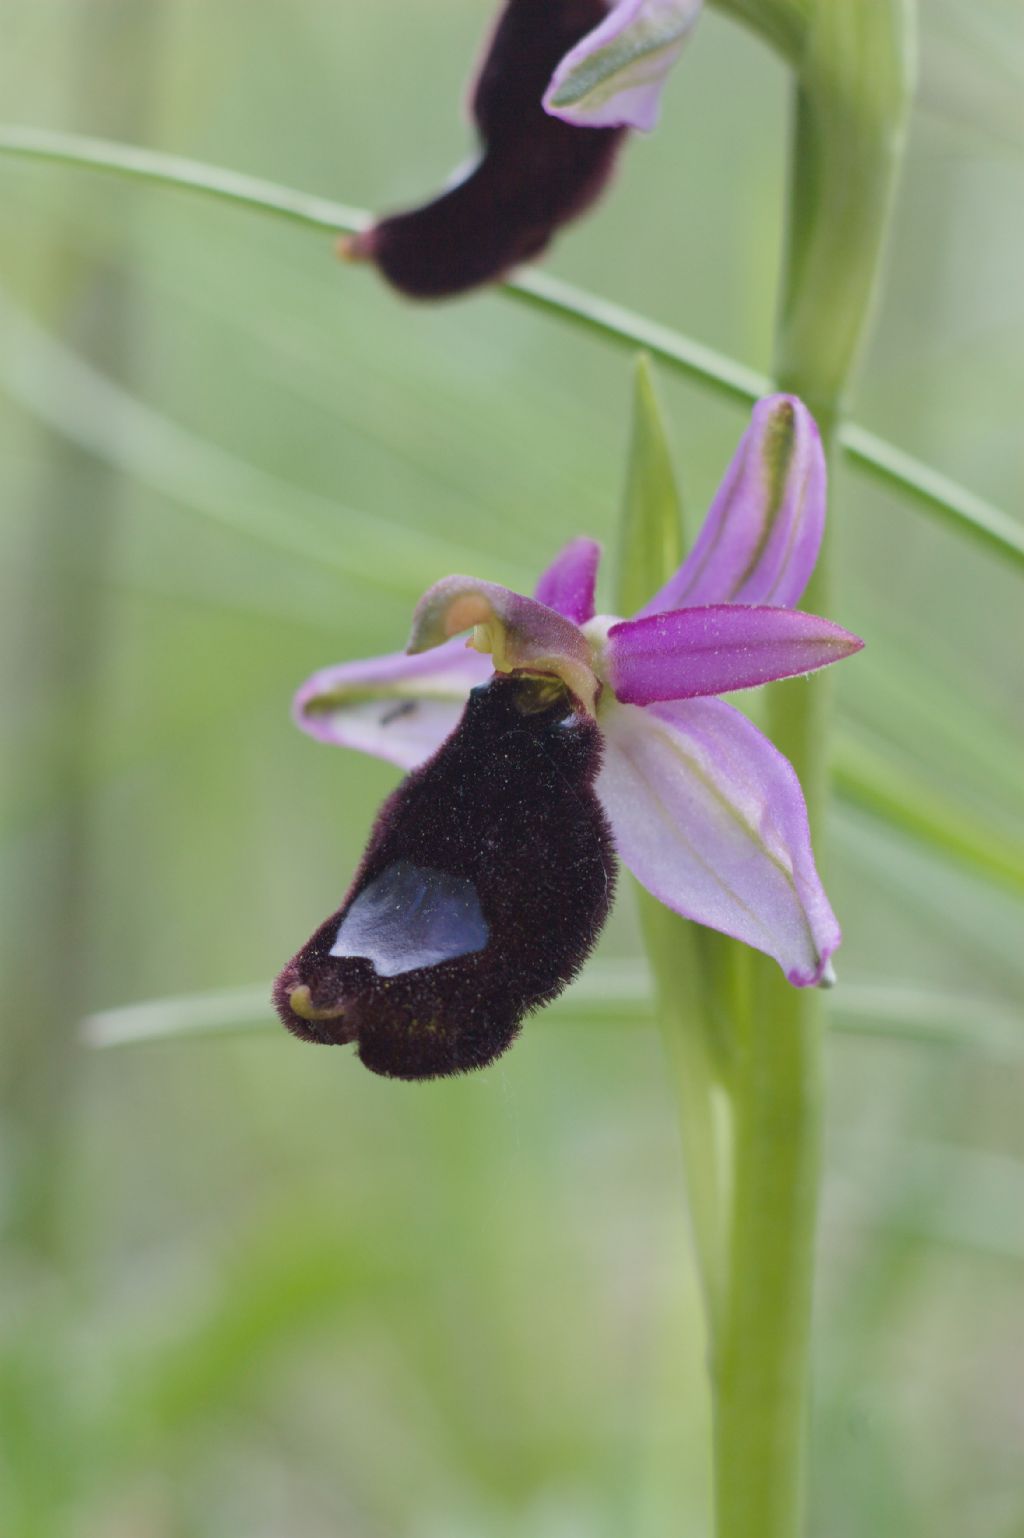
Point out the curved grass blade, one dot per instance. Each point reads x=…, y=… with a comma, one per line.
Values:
x=84, y=405
x=868, y=779
x=969, y=514
x=614, y=991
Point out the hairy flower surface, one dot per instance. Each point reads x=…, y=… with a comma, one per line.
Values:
x=559, y=83
x=487, y=879
x=701, y=807
x=534, y=172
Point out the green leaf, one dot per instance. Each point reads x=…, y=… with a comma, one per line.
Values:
x=651, y=539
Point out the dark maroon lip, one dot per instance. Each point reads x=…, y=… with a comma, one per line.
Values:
x=487, y=878
x=326, y=1027
x=534, y=175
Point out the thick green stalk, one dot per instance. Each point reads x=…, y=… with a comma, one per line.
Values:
x=760, y=1385
x=851, y=94
x=852, y=88
x=782, y=23
x=683, y=981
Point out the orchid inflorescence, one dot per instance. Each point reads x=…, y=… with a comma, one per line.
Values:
x=559, y=84
x=555, y=736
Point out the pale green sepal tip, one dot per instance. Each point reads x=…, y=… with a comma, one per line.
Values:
x=651, y=538
x=631, y=60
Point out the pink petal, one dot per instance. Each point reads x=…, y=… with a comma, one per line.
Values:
x=712, y=650
x=518, y=632
x=568, y=584
x=761, y=538
x=710, y=817
x=396, y=707
x=614, y=76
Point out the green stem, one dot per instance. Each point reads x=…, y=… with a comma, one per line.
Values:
x=933, y=492
x=851, y=95
x=675, y=951
x=761, y=1357
x=782, y=23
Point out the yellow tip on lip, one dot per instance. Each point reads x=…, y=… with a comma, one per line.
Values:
x=352, y=248
x=300, y=1002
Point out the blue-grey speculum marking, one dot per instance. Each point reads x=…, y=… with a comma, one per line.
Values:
x=412, y=917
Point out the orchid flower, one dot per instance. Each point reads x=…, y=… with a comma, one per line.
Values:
x=550, y=69
x=700, y=806
x=534, y=172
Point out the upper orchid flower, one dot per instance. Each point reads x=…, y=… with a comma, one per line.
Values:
x=614, y=76
x=550, y=69
x=534, y=172
x=701, y=807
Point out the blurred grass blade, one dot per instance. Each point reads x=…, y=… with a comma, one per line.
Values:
x=903, y=1012
x=610, y=990
x=969, y=514
x=970, y=1198
x=651, y=538
x=866, y=778
x=698, y=362
x=222, y=1012
x=98, y=415
x=290, y=1278
x=952, y=719
x=153, y=166
x=973, y=69
x=974, y=920
x=606, y=989
x=952, y=504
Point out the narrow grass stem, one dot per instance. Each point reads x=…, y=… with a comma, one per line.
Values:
x=928, y=488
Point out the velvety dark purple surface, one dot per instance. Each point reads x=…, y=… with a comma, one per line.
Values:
x=507, y=804
x=536, y=172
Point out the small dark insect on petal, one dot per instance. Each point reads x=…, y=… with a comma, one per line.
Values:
x=535, y=173
x=396, y=712
x=487, y=878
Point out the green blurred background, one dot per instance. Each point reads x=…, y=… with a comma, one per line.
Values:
x=250, y=1290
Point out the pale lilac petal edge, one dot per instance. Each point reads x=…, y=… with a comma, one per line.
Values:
x=420, y=701
x=710, y=818
x=569, y=583
x=761, y=538
x=630, y=105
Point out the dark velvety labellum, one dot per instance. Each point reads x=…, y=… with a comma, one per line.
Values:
x=411, y=917
x=487, y=879
x=535, y=173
